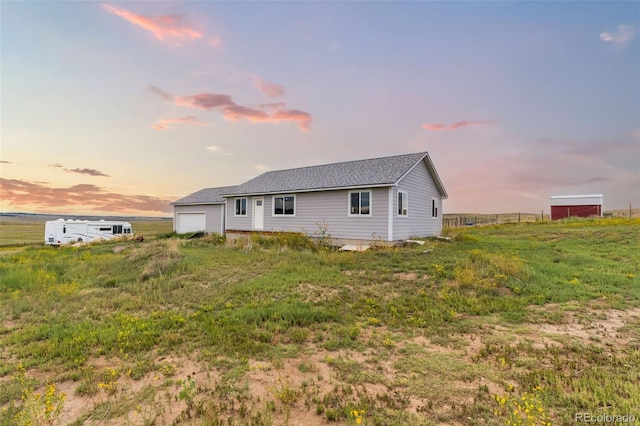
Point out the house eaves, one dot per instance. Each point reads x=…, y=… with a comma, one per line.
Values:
x=204, y=197
x=297, y=191
x=432, y=172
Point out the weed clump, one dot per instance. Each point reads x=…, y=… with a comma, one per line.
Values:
x=37, y=409
x=283, y=240
x=212, y=239
x=156, y=259
x=523, y=410
x=483, y=270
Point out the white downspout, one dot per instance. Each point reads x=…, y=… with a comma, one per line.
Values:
x=390, y=214
x=224, y=218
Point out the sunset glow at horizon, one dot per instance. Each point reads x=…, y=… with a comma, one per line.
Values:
x=120, y=108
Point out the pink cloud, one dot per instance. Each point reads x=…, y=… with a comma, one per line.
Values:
x=40, y=196
x=163, y=123
x=234, y=112
x=439, y=127
x=303, y=118
x=206, y=101
x=164, y=27
x=272, y=105
x=433, y=127
x=262, y=113
x=269, y=89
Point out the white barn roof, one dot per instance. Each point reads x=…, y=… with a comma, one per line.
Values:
x=577, y=200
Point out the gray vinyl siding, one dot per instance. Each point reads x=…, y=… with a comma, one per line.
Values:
x=421, y=189
x=312, y=208
x=213, y=215
x=239, y=223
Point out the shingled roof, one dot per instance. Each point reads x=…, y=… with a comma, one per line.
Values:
x=205, y=196
x=372, y=172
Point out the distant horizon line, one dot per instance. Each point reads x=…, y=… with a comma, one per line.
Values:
x=74, y=215
x=120, y=215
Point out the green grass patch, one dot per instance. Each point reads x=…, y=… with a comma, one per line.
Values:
x=140, y=307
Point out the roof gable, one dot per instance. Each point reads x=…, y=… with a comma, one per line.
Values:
x=382, y=171
x=205, y=196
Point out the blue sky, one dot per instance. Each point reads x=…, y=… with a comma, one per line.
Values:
x=123, y=107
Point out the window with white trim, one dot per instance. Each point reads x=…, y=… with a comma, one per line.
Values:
x=284, y=205
x=403, y=203
x=360, y=203
x=241, y=207
x=434, y=207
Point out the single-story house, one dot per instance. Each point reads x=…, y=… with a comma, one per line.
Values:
x=564, y=206
x=386, y=199
x=201, y=211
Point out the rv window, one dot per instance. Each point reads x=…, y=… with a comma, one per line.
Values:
x=127, y=230
x=64, y=229
x=105, y=229
x=117, y=229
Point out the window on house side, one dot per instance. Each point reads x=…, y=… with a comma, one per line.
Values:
x=284, y=205
x=403, y=203
x=360, y=203
x=434, y=207
x=241, y=206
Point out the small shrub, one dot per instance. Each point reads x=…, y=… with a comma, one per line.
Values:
x=298, y=334
x=188, y=391
x=465, y=276
x=109, y=382
x=38, y=409
x=356, y=416
x=524, y=410
x=465, y=238
x=88, y=385
x=285, y=393
x=323, y=237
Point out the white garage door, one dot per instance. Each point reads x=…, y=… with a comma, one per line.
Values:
x=190, y=222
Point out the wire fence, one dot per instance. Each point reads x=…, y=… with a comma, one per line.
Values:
x=457, y=221
x=462, y=220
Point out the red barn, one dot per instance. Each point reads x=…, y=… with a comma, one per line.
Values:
x=563, y=206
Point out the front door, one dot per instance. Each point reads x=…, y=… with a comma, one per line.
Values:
x=258, y=213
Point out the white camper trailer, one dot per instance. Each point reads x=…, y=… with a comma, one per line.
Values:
x=61, y=231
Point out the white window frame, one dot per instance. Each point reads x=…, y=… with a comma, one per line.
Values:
x=360, y=191
x=434, y=208
x=283, y=214
x=235, y=206
x=403, y=210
